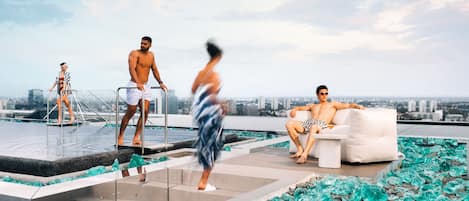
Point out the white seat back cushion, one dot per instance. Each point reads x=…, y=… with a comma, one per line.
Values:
x=373, y=136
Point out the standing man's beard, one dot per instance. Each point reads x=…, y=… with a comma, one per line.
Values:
x=144, y=49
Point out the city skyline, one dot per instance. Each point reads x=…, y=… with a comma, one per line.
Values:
x=272, y=48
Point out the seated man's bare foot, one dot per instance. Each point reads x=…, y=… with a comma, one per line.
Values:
x=297, y=155
x=302, y=159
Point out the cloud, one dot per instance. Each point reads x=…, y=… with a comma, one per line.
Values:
x=392, y=20
x=264, y=42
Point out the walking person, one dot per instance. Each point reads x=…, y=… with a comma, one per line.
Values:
x=208, y=112
x=63, y=90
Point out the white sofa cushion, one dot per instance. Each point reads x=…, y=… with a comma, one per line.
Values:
x=372, y=137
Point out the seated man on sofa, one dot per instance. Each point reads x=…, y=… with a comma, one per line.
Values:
x=322, y=115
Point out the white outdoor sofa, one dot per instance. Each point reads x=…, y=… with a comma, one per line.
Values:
x=359, y=136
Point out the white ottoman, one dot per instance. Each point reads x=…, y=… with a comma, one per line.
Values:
x=329, y=149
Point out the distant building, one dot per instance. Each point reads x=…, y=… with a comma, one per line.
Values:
x=275, y=103
x=252, y=109
x=411, y=106
x=172, y=102
x=232, y=107
x=241, y=109
x=261, y=103
x=422, y=106
x=11, y=104
x=3, y=104
x=454, y=117
x=437, y=115
x=433, y=106
x=287, y=103
x=35, y=98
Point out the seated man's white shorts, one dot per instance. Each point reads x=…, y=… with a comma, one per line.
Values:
x=134, y=95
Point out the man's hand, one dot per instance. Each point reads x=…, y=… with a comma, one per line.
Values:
x=140, y=86
x=163, y=86
x=293, y=113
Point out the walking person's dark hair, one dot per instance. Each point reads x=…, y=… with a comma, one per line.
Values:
x=147, y=38
x=63, y=63
x=213, y=50
x=321, y=87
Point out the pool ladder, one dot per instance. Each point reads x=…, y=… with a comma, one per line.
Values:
x=143, y=117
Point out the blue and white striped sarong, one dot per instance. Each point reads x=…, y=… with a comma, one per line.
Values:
x=209, y=117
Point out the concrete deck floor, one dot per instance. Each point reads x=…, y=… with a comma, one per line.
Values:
x=279, y=159
x=259, y=172
x=259, y=175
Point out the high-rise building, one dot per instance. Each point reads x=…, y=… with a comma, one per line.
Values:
x=241, y=109
x=275, y=103
x=287, y=103
x=232, y=107
x=11, y=104
x=252, y=109
x=437, y=115
x=172, y=102
x=3, y=104
x=261, y=103
x=411, y=106
x=35, y=98
x=433, y=106
x=422, y=106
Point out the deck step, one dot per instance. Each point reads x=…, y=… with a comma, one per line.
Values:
x=190, y=193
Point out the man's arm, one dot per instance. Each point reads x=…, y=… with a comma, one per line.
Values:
x=341, y=106
x=299, y=108
x=156, y=74
x=133, y=57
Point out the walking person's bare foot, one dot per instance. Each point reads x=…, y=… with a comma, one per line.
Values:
x=72, y=120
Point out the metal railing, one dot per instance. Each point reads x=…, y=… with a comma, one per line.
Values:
x=59, y=97
x=143, y=117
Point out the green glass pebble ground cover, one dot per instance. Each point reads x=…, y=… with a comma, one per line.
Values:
x=135, y=161
x=433, y=169
x=258, y=135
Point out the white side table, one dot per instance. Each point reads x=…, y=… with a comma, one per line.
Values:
x=329, y=149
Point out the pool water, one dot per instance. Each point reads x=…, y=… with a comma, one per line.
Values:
x=41, y=142
x=434, y=169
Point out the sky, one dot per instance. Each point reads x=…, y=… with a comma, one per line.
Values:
x=271, y=47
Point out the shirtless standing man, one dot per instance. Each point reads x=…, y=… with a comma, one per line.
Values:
x=322, y=115
x=140, y=63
